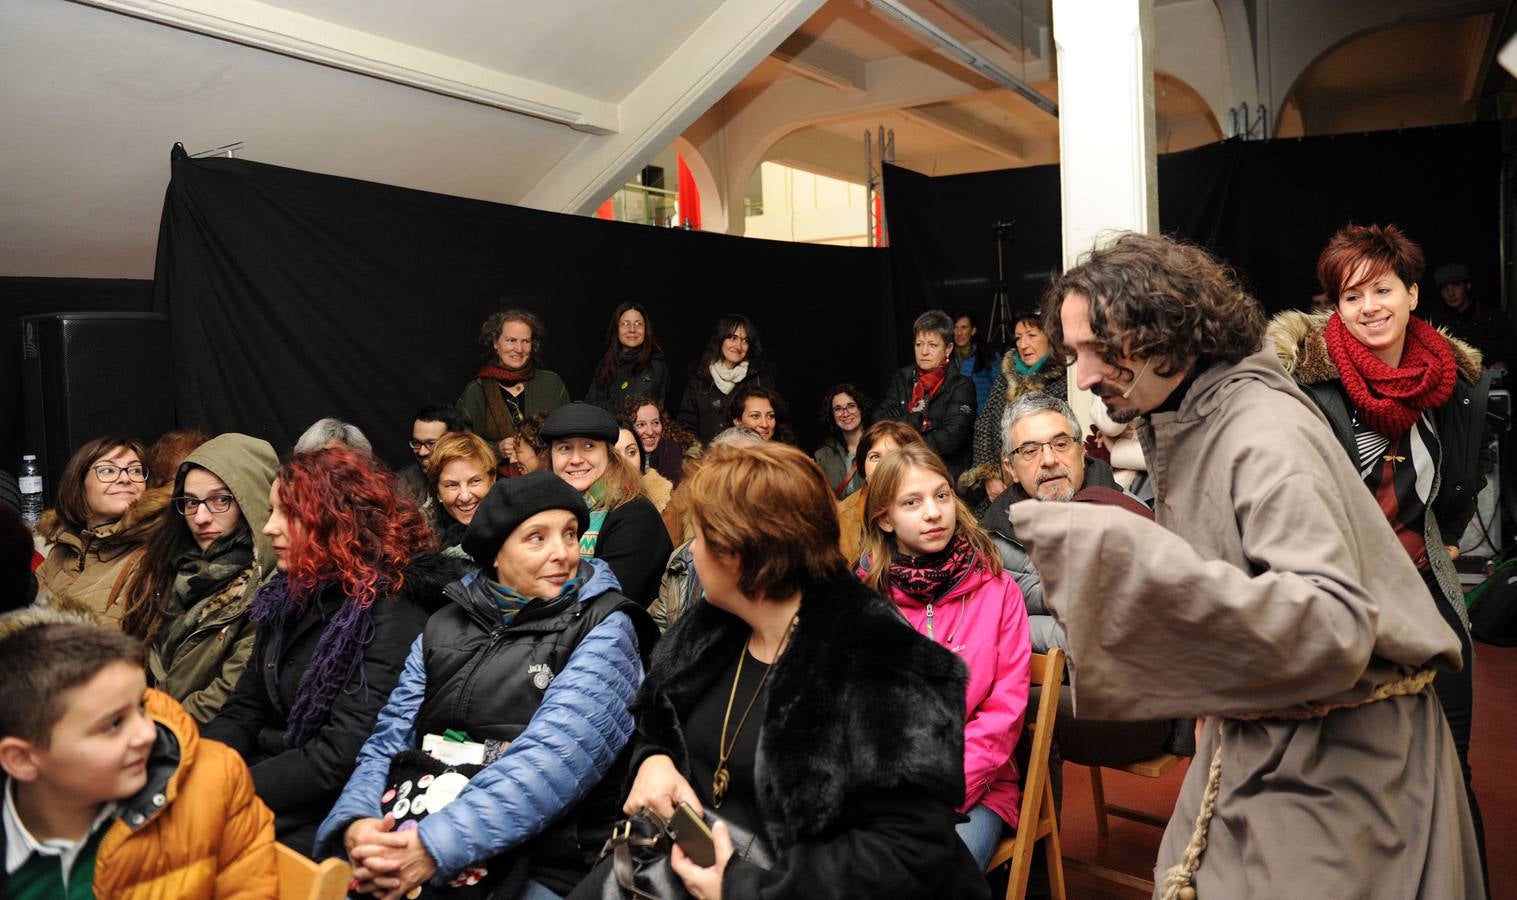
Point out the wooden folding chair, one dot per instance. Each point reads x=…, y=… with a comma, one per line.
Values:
x=301, y=879
x=1038, y=819
x=1146, y=768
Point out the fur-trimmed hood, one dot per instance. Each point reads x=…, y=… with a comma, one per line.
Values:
x=1298, y=339
x=129, y=532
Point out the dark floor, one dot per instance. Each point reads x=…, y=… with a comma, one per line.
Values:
x=1131, y=846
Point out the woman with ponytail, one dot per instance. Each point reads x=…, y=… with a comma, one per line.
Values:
x=334, y=623
x=1407, y=402
x=924, y=551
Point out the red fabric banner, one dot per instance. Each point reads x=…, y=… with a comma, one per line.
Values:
x=689, y=197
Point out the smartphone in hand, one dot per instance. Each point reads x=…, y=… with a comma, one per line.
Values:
x=689, y=831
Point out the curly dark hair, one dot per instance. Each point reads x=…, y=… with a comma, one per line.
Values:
x=1161, y=299
x=739, y=400
x=673, y=430
x=490, y=330
x=866, y=407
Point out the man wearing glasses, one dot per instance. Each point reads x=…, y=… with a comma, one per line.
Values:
x=1046, y=461
x=431, y=422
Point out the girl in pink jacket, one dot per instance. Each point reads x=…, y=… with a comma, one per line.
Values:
x=924, y=551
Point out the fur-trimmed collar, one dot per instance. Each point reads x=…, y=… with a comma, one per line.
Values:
x=131, y=530
x=858, y=703
x=1299, y=342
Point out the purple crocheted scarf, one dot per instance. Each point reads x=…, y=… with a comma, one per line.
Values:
x=339, y=652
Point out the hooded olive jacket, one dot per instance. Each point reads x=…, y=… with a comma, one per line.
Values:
x=86, y=566
x=207, y=662
x=1269, y=579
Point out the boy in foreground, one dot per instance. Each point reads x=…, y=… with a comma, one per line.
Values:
x=107, y=786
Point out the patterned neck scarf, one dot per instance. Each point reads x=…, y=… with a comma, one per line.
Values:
x=512, y=602
x=199, y=574
x=927, y=578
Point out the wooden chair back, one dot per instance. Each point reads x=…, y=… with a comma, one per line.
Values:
x=301, y=879
x=1038, y=819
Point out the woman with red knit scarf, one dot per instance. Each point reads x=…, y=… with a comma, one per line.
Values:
x=933, y=396
x=510, y=388
x=1407, y=403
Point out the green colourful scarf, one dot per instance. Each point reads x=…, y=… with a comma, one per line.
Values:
x=512, y=602
x=1025, y=370
x=598, y=514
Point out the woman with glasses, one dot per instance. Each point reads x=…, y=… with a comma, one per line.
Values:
x=666, y=444
x=633, y=362
x=510, y=387
x=188, y=597
x=845, y=410
x=93, y=525
x=734, y=358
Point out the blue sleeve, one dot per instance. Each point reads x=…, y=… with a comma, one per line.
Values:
x=394, y=731
x=566, y=749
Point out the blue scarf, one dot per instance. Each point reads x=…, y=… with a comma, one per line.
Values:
x=1025, y=370
x=512, y=602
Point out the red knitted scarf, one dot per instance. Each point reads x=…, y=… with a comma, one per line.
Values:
x=1392, y=397
x=500, y=373
x=925, y=387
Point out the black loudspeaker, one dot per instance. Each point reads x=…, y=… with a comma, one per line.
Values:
x=93, y=373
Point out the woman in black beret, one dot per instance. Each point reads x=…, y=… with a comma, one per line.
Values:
x=625, y=529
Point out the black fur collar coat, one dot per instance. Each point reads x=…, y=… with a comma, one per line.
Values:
x=861, y=754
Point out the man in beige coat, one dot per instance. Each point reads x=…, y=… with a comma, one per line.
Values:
x=1271, y=597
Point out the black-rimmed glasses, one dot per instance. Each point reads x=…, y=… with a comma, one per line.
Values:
x=1033, y=449
x=417, y=445
x=111, y=474
x=188, y=506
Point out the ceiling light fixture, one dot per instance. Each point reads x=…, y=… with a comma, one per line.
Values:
x=913, y=21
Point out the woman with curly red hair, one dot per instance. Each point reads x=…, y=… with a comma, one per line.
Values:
x=356, y=581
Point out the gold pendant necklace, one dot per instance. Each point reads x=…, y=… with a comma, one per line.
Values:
x=721, y=779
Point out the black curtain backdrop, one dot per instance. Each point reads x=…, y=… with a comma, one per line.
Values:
x=39, y=296
x=1267, y=207
x=294, y=296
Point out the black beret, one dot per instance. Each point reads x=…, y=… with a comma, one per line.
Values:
x=513, y=501
x=580, y=419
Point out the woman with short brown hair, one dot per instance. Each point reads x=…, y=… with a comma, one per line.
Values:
x=460, y=472
x=793, y=660
x=510, y=386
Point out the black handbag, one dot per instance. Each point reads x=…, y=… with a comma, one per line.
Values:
x=634, y=863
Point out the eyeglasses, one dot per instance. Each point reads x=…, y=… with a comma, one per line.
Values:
x=111, y=474
x=188, y=506
x=845, y=407
x=417, y=445
x=633, y=325
x=1033, y=449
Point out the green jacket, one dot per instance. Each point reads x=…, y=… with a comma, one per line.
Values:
x=206, y=663
x=544, y=393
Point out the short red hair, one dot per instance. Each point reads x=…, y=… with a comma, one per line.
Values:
x=1376, y=248
x=353, y=527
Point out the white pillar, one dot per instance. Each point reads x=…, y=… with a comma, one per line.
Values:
x=1108, y=170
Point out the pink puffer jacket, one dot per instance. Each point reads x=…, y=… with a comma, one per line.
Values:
x=984, y=621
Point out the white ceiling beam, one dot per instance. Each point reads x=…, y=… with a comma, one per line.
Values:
x=824, y=63
x=279, y=30
x=727, y=46
x=969, y=129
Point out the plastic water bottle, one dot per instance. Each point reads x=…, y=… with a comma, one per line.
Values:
x=30, y=483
